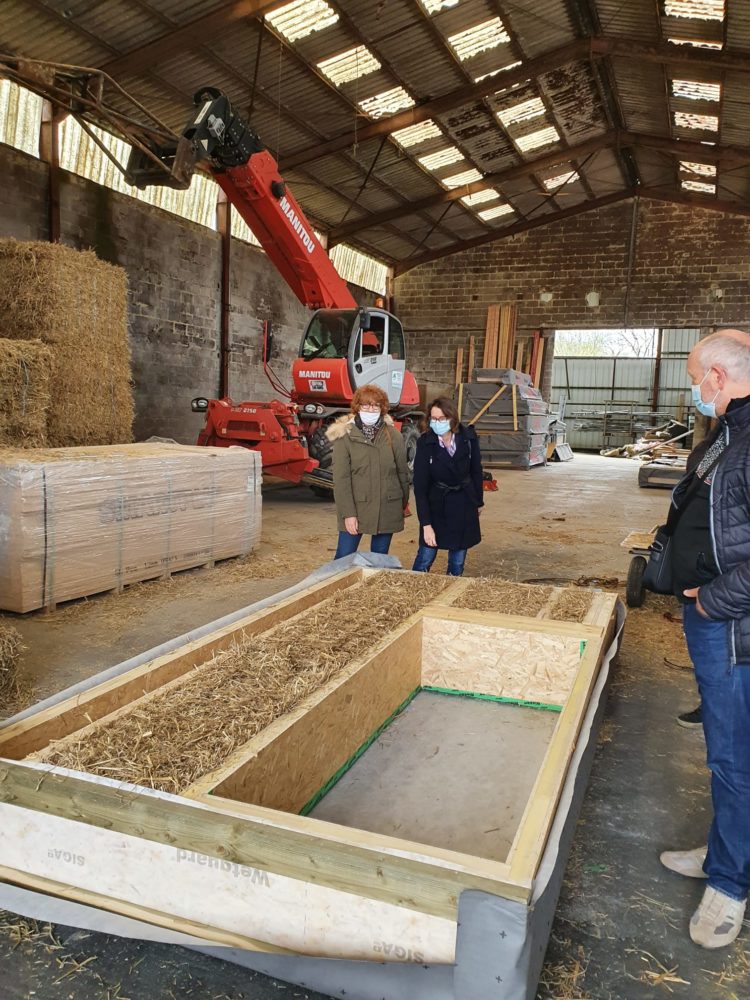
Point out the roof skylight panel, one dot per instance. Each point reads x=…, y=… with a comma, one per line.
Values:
x=442, y=158
x=433, y=6
x=702, y=169
x=458, y=180
x=412, y=135
x=686, y=119
x=701, y=186
x=697, y=44
x=301, y=18
x=480, y=197
x=494, y=72
x=495, y=212
x=699, y=10
x=535, y=140
x=696, y=90
x=349, y=65
x=560, y=180
x=387, y=103
x=471, y=41
x=523, y=112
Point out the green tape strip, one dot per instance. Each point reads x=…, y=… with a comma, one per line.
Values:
x=322, y=792
x=494, y=697
x=582, y=648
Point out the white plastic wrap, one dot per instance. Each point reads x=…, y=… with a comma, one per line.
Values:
x=78, y=521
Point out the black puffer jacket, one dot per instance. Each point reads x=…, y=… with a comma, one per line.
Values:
x=727, y=596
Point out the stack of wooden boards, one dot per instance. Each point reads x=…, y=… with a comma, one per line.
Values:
x=78, y=521
x=509, y=415
x=500, y=338
x=64, y=353
x=503, y=347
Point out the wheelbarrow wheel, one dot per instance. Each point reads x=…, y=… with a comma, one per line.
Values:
x=635, y=591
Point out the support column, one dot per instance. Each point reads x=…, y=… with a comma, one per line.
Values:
x=224, y=226
x=49, y=151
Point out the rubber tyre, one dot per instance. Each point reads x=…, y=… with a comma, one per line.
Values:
x=321, y=448
x=634, y=590
x=411, y=434
x=321, y=493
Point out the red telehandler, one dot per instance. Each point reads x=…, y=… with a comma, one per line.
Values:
x=343, y=346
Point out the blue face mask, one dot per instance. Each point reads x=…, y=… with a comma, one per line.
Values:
x=440, y=426
x=707, y=409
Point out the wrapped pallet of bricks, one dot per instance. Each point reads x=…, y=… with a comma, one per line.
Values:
x=76, y=305
x=510, y=417
x=80, y=521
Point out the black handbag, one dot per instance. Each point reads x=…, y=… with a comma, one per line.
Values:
x=657, y=576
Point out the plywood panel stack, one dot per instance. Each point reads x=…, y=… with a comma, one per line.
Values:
x=84, y=520
x=509, y=416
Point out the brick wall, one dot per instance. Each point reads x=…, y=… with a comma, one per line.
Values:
x=174, y=274
x=680, y=254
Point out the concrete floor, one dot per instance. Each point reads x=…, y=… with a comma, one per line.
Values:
x=621, y=928
x=432, y=775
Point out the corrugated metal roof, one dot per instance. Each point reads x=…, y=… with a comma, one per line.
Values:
x=295, y=107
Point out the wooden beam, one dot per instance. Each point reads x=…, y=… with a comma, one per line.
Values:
x=295, y=846
x=181, y=39
x=520, y=227
x=668, y=54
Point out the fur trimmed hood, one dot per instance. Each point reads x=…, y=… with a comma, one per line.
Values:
x=343, y=425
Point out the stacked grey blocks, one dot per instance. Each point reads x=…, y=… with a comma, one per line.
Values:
x=503, y=444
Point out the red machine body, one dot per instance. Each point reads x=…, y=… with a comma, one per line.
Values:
x=289, y=435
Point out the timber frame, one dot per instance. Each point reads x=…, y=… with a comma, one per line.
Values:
x=243, y=820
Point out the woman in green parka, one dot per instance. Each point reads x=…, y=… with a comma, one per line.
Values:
x=370, y=474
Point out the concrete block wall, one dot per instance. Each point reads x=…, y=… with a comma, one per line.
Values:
x=679, y=256
x=174, y=274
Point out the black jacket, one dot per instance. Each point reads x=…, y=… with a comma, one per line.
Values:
x=728, y=595
x=449, y=490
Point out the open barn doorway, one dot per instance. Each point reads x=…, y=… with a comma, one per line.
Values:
x=621, y=383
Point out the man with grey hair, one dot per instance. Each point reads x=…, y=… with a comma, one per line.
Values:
x=710, y=528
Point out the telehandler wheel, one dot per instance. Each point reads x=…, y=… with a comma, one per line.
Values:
x=321, y=448
x=635, y=591
x=410, y=433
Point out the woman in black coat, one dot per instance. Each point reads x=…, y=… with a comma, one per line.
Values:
x=447, y=488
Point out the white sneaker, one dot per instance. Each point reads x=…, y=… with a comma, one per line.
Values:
x=689, y=863
x=717, y=921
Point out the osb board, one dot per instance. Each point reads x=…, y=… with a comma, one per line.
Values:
x=77, y=712
x=638, y=539
x=272, y=909
x=484, y=659
x=286, y=764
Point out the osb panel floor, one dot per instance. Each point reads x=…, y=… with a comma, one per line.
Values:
x=449, y=771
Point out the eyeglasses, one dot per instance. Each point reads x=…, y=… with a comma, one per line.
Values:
x=370, y=407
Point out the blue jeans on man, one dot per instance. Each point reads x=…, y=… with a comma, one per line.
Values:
x=426, y=555
x=725, y=695
x=348, y=544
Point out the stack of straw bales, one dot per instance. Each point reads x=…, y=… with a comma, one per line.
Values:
x=25, y=370
x=76, y=305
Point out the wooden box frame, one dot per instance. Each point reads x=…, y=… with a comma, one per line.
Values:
x=358, y=895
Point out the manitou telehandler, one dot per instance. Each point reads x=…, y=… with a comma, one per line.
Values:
x=343, y=346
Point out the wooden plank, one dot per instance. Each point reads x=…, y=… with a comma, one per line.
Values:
x=158, y=919
x=489, y=359
x=522, y=623
x=410, y=875
x=38, y=730
x=487, y=405
x=470, y=360
x=528, y=846
x=515, y=406
x=460, y=401
x=324, y=731
x=459, y=366
x=536, y=375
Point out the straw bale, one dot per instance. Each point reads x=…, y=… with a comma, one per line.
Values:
x=572, y=604
x=170, y=739
x=10, y=651
x=77, y=304
x=504, y=597
x=25, y=369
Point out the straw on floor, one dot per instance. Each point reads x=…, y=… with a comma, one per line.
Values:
x=10, y=651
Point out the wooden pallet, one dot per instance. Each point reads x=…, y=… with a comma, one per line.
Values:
x=231, y=859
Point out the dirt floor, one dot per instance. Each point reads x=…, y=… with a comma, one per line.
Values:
x=621, y=926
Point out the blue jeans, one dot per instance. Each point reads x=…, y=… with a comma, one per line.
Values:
x=349, y=544
x=426, y=557
x=725, y=695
